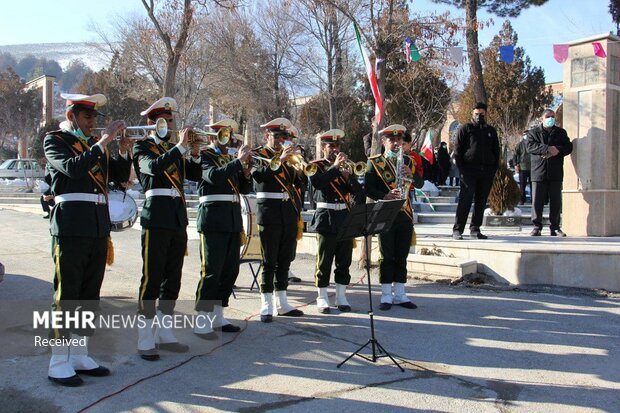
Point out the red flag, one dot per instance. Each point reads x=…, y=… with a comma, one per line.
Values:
x=560, y=52
x=372, y=77
x=427, y=147
x=598, y=49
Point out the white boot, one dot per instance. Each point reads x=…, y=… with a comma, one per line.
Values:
x=266, y=307
x=284, y=308
x=322, y=300
x=204, y=322
x=164, y=337
x=221, y=323
x=163, y=331
x=60, y=364
x=400, y=296
x=386, y=297
x=341, y=298
x=79, y=354
x=146, y=340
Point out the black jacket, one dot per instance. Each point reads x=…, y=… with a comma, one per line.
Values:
x=538, y=141
x=477, y=147
x=329, y=221
x=71, y=166
x=219, y=174
x=522, y=156
x=276, y=211
x=153, y=164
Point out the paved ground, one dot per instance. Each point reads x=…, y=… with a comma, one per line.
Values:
x=463, y=349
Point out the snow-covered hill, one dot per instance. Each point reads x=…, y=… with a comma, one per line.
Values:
x=63, y=53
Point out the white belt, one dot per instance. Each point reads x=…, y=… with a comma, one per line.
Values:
x=96, y=198
x=172, y=192
x=335, y=207
x=214, y=198
x=273, y=195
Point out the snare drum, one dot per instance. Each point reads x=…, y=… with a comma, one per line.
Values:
x=251, y=249
x=123, y=210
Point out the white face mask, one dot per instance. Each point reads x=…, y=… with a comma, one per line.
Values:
x=524, y=137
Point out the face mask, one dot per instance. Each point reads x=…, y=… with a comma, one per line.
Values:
x=232, y=151
x=549, y=122
x=217, y=150
x=524, y=137
x=286, y=143
x=479, y=119
x=390, y=154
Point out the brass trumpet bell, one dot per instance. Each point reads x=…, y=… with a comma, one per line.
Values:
x=357, y=168
x=139, y=132
x=298, y=162
x=274, y=163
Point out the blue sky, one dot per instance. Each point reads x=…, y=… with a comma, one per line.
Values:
x=558, y=21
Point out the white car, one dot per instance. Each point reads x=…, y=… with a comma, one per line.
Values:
x=21, y=169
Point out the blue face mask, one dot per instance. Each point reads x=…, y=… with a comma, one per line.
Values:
x=217, y=150
x=232, y=151
x=390, y=154
x=549, y=122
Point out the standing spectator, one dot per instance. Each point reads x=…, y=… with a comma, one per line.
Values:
x=443, y=163
x=523, y=166
x=548, y=145
x=477, y=157
x=47, y=199
x=454, y=171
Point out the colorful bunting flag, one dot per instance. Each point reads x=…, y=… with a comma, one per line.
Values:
x=372, y=77
x=427, y=147
x=598, y=49
x=415, y=54
x=507, y=53
x=411, y=51
x=560, y=52
x=408, y=49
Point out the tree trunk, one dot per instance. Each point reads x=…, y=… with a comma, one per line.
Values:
x=170, y=76
x=473, y=54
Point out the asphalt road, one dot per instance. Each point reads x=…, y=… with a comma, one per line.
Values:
x=464, y=349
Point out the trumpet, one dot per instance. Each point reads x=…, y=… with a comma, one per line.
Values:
x=297, y=161
x=357, y=168
x=273, y=163
x=140, y=132
x=223, y=135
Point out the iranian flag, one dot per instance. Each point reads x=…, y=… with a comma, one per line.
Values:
x=427, y=147
x=372, y=77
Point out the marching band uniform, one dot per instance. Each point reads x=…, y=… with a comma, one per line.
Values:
x=278, y=212
x=220, y=226
x=80, y=170
x=161, y=170
x=394, y=244
x=334, y=194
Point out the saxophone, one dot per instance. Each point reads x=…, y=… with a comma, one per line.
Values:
x=403, y=183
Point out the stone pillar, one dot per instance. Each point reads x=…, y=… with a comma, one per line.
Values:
x=591, y=192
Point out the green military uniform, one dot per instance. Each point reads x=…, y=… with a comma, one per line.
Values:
x=277, y=218
x=163, y=220
x=80, y=229
x=395, y=243
x=220, y=226
x=334, y=195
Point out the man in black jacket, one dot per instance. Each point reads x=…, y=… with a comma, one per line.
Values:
x=477, y=155
x=337, y=189
x=523, y=166
x=548, y=145
x=162, y=169
x=79, y=170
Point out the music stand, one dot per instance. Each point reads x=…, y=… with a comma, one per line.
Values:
x=367, y=220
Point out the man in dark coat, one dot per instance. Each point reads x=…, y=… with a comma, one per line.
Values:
x=79, y=171
x=477, y=155
x=548, y=144
x=523, y=166
x=162, y=169
x=220, y=225
x=278, y=214
x=337, y=189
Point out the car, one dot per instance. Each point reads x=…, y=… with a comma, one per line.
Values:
x=21, y=169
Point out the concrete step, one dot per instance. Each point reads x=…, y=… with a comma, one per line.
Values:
x=19, y=200
x=448, y=218
x=440, y=267
x=451, y=207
